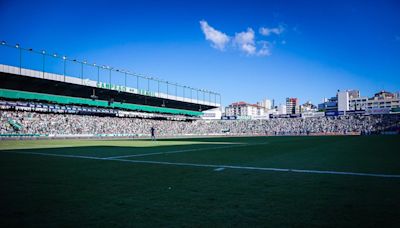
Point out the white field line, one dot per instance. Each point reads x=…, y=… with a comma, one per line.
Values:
x=187, y=150
x=219, y=169
x=219, y=166
x=56, y=155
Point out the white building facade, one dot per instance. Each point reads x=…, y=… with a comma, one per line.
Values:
x=352, y=101
x=266, y=104
x=212, y=114
x=243, y=109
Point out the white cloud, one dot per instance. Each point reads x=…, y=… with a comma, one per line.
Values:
x=265, y=49
x=245, y=41
x=268, y=31
x=217, y=38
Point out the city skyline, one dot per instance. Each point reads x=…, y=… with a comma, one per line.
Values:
x=245, y=51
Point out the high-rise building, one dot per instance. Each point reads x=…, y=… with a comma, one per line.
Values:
x=345, y=97
x=343, y=100
x=266, y=104
x=292, y=106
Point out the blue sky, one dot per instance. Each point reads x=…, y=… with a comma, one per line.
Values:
x=246, y=50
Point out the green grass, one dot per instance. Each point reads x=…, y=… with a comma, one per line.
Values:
x=41, y=190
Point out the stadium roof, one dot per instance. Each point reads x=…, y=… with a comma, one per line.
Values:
x=85, y=80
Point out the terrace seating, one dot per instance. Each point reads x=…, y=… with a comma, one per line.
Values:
x=75, y=124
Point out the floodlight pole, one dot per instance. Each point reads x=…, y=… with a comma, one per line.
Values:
x=44, y=59
x=125, y=81
x=82, y=72
x=64, y=66
x=167, y=90
x=20, y=59
x=137, y=83
x=109, y=78
x=148, y=84
x=98, y=75
x=158, y=87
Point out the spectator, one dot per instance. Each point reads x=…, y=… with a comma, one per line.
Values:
x=71, y=124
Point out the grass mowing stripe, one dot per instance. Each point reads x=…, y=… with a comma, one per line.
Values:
x=56, y=155
x=183, y=151
x=219, y=166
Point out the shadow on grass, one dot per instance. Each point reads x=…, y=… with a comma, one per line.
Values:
x=109, y=151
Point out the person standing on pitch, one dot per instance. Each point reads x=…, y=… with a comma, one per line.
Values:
x=153, y=135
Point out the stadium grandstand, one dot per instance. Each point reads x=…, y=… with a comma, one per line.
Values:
x=70, y=86
x=88, y=100
x=87, y=144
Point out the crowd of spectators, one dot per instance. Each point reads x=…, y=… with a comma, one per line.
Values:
x=71, y=124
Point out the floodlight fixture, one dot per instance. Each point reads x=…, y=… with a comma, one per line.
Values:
x=3, y=42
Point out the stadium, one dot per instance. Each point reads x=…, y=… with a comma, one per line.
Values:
x=100, y=131
x=87, y=144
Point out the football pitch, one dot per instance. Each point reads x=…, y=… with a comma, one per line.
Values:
x=329, y=181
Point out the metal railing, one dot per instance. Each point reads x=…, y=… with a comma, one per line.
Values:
x=28, y=62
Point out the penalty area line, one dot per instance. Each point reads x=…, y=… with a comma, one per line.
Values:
x=222, y=167
x=186, y=150
x=216, y=167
